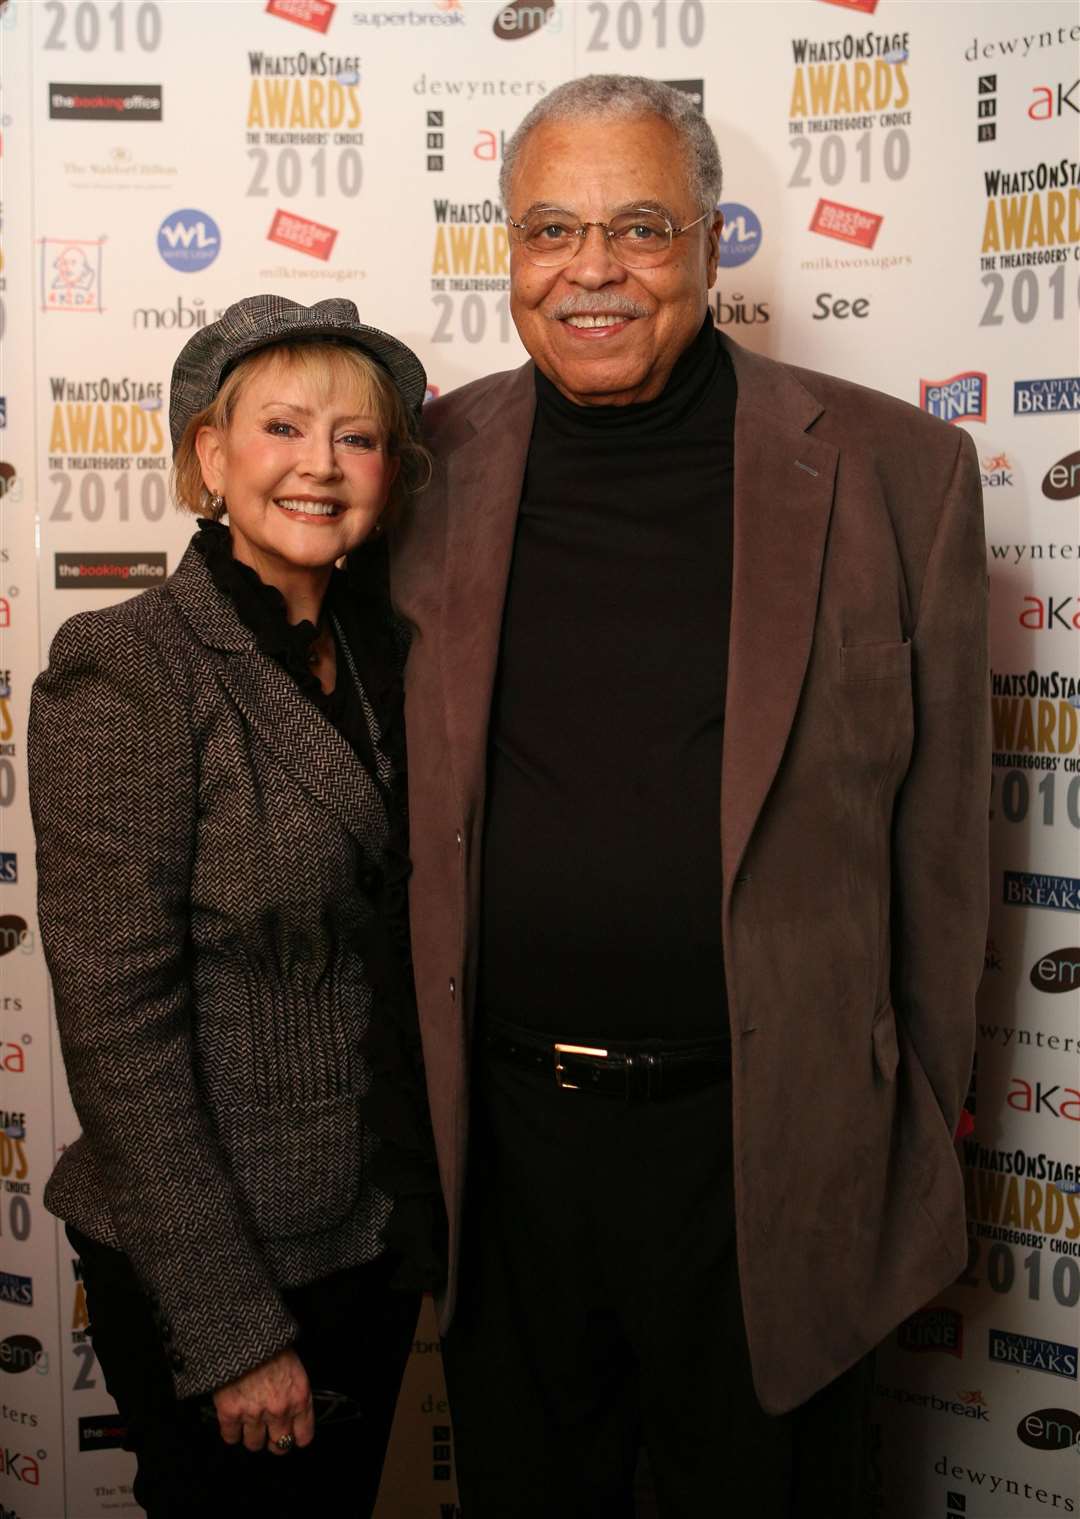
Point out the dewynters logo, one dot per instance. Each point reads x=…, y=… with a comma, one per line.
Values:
x=189, y=240
x=1062, y=482
x=71, y=274
x=960, y=398
x=521, y=18
x=740, y=236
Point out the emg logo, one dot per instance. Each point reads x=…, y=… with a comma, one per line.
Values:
x=740, y=236
x=189, y=240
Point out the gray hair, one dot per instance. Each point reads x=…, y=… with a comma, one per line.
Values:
x=627, y=95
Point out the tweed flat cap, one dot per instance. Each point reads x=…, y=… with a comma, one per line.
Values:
x=259, y=321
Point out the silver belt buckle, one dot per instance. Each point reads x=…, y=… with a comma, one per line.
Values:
x=572, y=1049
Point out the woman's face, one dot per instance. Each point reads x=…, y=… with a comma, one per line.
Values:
x=305, y=476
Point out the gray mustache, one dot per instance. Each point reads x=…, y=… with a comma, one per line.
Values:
x=586, y=303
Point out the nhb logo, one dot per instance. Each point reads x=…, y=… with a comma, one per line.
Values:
x=189, y=240
x=960, y=398
x=740, y=236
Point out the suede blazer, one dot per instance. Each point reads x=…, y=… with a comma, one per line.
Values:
x=206, y=843
x=855, y=794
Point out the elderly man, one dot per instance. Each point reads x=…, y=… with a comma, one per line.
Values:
x=699, y=779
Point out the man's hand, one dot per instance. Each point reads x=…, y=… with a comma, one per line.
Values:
x=272, y=1401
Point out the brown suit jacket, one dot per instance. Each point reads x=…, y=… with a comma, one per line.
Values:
x=854, y=822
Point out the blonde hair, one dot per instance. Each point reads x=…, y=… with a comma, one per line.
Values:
x=325, y=365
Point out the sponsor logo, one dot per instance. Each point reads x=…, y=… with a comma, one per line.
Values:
x=869, y=6
x=996, y=471
x=183, y=317
x=1032, y=1354
x=987, y=107
x=1049, y=1429
x=841, y=82
x=296, y=232
x=431, y=393
x=1043, y=397
x=315, y=14
x=693, y=89
x=933, y=1329
x=108, y=572
x=1020, y=47
x=189, y=240
x=1032, y=218
x=102, y=1432
x=736, y=310
x=829, y=305
x=966, y=1405
x=1056, y=1101
x=1054, y=100
x=521, y=18
x=1022, y=1198
x=849, y=225
x=995, y=1483
x=436, y=141
x=740, y=235
x=1041, y=615
x=1062, y=480
x=105, y=102
x=120, y=166
x=471, y=249
x=12, y=1055
x=1022, y=888
x=444, y=13
x=298, y=98
x=960, y=398
x=16, y=1289
x=1059, y=971
x=119, y=416
x=15, y=934
x=22, y=1352
x=20, y=1467
x=71, y=274
x=9, y=869
x=5, y=612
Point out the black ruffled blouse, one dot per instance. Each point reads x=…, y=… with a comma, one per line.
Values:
x=395, y=1107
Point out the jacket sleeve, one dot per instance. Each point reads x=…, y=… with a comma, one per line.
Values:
x=940, y=853
x=114, y=800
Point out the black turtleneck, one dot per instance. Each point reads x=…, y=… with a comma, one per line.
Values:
x=602, y=875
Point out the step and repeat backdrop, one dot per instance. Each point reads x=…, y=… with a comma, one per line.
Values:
x=902, y=204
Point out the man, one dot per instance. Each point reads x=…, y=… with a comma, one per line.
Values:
x=699, y=780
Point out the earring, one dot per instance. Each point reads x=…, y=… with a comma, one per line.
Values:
x=217, y=505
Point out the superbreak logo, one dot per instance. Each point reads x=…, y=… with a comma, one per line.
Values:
x=471, y=249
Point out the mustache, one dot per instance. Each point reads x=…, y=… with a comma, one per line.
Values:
x=589, y=303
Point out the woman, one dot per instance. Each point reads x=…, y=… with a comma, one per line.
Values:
x=216, y=782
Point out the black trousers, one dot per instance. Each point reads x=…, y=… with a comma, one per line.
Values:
x=355, y=1334
x=600, y=1313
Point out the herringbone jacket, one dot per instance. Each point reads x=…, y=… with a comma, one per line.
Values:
x=201, y=829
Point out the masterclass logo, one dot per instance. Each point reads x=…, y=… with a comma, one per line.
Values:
x=869, y=6
x=1046, y=397
x=302, y=235
x=71, y=274
x=960, y=398
x=1028, y=1353
x=846, y=223
x=108, y=572
x=1022, y=888
x=314, y=14
x=105, y=102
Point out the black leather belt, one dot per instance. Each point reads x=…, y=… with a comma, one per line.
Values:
x=646, y=1073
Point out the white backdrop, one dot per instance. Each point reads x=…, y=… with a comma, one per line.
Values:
x=902, y=193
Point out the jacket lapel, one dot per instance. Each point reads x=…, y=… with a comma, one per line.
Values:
x=783, y=501
x=484, y=481
x=293, y=729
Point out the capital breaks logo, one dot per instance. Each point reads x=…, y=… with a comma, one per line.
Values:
x=1023, y=888
x=960, y=398
x=1046, y=397
x=1028, y=1353
x=71, y=273
x=189, y=240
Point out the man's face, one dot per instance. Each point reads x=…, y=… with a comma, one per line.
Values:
x=597, y=168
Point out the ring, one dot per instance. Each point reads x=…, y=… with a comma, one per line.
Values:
x=284, y=1442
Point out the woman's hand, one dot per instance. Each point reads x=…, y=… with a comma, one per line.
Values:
x=272, y=1401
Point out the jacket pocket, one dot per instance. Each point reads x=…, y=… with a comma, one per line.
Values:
x=883, y=1039
x=298, y=1170
x=875, y=661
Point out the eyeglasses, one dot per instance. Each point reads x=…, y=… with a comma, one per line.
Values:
x=638, y=239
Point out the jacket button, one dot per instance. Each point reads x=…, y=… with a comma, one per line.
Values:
x=453, y=987
x=457, y=836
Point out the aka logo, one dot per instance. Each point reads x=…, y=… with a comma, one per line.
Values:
x=20, y=1467
x=1055, y=1102
x=189, y=240
x=737, y=311
x=960, y=398
x=1054, y=100
x=1062, y=481
x=1045, y=614
x=740, y=236
x=996, y=471
x=521, y=18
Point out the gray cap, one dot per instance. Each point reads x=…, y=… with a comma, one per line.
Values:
x=260, y=321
